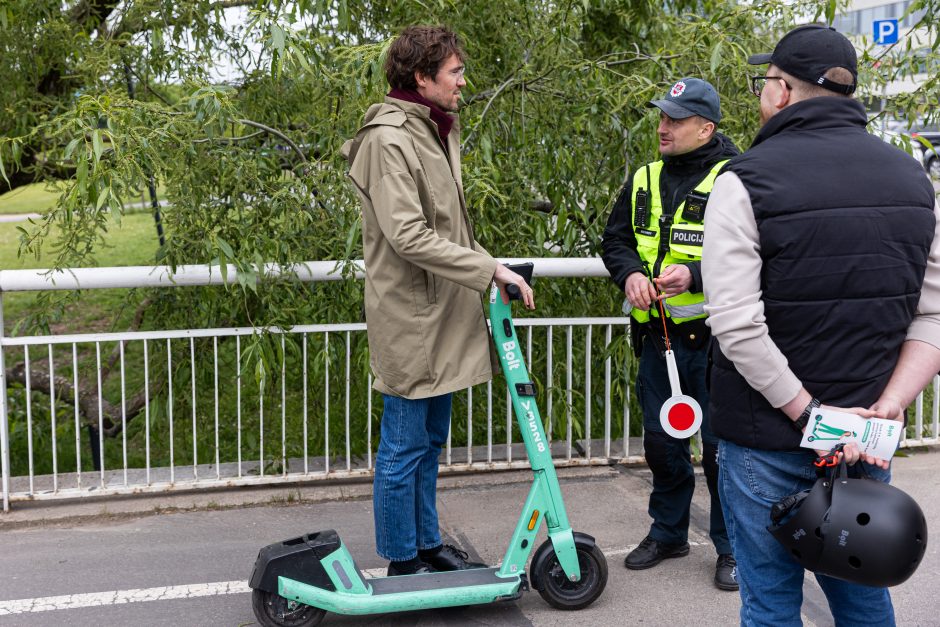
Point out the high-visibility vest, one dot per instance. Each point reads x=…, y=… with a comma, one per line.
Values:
x=667, y=240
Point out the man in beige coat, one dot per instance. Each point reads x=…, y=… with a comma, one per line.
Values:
x=424, y=277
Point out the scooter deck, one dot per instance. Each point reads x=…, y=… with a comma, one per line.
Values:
x=410, y=592
x=435, y=581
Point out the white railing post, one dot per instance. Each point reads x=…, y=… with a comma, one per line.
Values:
x=4, y=431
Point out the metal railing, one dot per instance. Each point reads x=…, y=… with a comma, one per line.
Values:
x=233, y=429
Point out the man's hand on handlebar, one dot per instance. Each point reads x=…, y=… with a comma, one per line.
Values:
x=504, y=276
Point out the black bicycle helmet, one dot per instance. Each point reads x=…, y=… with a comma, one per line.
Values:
x=860, y=530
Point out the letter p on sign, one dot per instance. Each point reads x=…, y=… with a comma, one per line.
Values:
x=885, y=31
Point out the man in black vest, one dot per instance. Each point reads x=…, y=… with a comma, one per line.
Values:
x=652, y=246
x=819, y=238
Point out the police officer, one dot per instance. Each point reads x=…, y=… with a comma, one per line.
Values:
x=652, y=248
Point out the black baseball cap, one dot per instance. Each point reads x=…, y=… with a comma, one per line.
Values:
x=808, y=52
x=688, y=97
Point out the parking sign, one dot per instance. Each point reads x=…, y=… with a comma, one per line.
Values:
x=885, y=31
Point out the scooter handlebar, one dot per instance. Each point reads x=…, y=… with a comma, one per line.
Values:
x=525, y=271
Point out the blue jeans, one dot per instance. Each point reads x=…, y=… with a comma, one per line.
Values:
x=404, y=495
x=669, y=458
x=750, y=482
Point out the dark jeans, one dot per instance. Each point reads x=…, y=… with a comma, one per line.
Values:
x=771, y=580
x=404, y=497
x=669, y=458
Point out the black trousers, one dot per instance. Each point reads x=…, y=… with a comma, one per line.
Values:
x=669, y=458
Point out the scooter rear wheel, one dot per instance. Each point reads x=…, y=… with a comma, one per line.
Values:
x=563, y=594
x=273, y=610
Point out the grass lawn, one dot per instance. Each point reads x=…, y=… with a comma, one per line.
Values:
x=132, y=243
x=39, y=197
x=35, y=198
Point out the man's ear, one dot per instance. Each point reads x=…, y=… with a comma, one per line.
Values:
x=783, y=99
x=421, y=80
x=707, y=129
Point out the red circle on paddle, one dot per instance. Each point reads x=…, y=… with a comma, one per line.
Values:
x=681, y=416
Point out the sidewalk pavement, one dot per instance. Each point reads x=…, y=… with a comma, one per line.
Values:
x=197, y=538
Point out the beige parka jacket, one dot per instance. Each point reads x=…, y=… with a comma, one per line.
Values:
x=424, y=271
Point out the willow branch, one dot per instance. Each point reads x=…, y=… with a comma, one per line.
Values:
x=137, y=23
x=229, y=140
x=276, y=133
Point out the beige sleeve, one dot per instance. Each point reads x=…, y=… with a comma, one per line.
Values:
x=731, y=269
x=400, y=217
x=926, y=324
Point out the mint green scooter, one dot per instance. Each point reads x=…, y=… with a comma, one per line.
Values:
x=296, y=582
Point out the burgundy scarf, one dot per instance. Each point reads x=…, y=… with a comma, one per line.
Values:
x=444, y=122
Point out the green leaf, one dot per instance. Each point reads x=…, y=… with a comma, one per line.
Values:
x=223, y=269
x=102, y=197
x=97, y=144
x=225, y=247
x=352, y=238
x=715, y=60
x=72, y=145
x=301, y=57
x=277, y=38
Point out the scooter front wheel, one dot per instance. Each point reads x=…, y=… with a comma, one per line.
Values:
x=554, y=585
x=273, y=610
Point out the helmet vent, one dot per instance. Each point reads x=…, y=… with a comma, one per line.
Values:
x=854, y=562
x=818, y=532
x=863, y=519
x=796, y=554
x=918, y=538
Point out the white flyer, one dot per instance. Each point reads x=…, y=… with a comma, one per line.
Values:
x=874, y=436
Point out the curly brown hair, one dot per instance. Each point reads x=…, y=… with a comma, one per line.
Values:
x=419, y=49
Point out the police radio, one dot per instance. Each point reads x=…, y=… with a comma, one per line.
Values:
x=641, y=215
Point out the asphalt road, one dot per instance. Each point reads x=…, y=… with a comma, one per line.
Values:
x=115, y=562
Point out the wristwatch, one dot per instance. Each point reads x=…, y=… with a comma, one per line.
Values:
x=800, y=423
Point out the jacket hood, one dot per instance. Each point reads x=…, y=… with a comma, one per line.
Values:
x=379, y=114
x=392, y=112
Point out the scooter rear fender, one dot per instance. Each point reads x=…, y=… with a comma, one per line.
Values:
x=296, y=558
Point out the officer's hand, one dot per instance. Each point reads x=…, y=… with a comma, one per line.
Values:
x=640, y=292
x=674, y=280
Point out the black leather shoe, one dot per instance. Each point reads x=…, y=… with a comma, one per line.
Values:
x=726, y=572
x=650, y=552
x=450, y=557
x=421, y=568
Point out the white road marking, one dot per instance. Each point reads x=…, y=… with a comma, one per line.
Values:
x=167, y=593
x=118, y=597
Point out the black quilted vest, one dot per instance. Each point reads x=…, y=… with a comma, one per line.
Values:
x=845, y=224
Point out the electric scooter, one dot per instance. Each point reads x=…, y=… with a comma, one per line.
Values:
x=296, y=582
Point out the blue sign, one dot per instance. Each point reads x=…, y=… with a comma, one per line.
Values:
x=885, y=31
